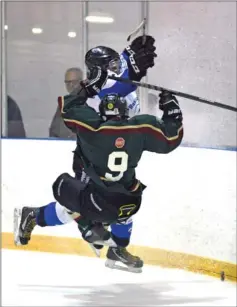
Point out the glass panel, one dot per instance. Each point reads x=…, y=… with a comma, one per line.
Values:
x=36, y=62
x=114, y=34
x=196, y=45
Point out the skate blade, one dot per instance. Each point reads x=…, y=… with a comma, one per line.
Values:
x=111, y=264
x=110, y=242
x=16, y=221
x=95, y=250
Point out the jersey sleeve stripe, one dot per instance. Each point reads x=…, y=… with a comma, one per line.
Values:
x=143, y=128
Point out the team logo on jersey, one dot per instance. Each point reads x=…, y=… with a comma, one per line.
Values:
x=126, y=210
x=119, y=143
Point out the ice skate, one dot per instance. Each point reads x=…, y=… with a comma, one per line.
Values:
x=24, y=223
x=129, y=262
x=97, y=237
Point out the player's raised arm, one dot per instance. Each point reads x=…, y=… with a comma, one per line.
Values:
x=74, y=110
x=165, y=134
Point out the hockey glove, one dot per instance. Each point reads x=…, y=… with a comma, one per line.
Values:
x=96, y=79
x=170, y=106
x=140, y=57
x=137, y=43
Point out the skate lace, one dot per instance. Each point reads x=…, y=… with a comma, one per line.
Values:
x=28, y=229
x=126, y=253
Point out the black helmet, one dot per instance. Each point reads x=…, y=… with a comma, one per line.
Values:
x=104, y=57
x=113, y=105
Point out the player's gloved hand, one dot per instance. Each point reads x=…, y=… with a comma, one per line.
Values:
x=96, y=79
x=140, y=57
x=139, y=43
x=170, y=106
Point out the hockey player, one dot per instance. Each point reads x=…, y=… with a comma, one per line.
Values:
x=111, y=147
x=132, y=64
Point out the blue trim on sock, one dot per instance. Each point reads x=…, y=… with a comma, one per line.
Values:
x=50, y=215
x=122, y=230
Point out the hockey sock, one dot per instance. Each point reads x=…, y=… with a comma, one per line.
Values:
x=121, y=232
x=53, y=214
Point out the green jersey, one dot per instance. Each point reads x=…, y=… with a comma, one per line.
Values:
x=114, y=147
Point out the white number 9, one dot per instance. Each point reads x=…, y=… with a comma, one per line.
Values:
x=121, y=167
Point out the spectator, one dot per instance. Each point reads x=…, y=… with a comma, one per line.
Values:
x=57, y=129
x=15, y=125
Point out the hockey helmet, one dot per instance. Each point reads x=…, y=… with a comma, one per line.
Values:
x=113, y=105
x=104, y=57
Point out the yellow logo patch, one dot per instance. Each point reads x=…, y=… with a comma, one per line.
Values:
x=126, y=210
x=110, y=106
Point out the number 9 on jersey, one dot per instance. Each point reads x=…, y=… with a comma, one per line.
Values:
x=117, y=162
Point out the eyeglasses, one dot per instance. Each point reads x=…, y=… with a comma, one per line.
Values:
x=70, y=81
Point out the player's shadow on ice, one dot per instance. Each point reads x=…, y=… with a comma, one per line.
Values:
x=129, y=294
x=147, y=294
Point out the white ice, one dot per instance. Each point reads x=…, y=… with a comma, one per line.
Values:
x=46, y=279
